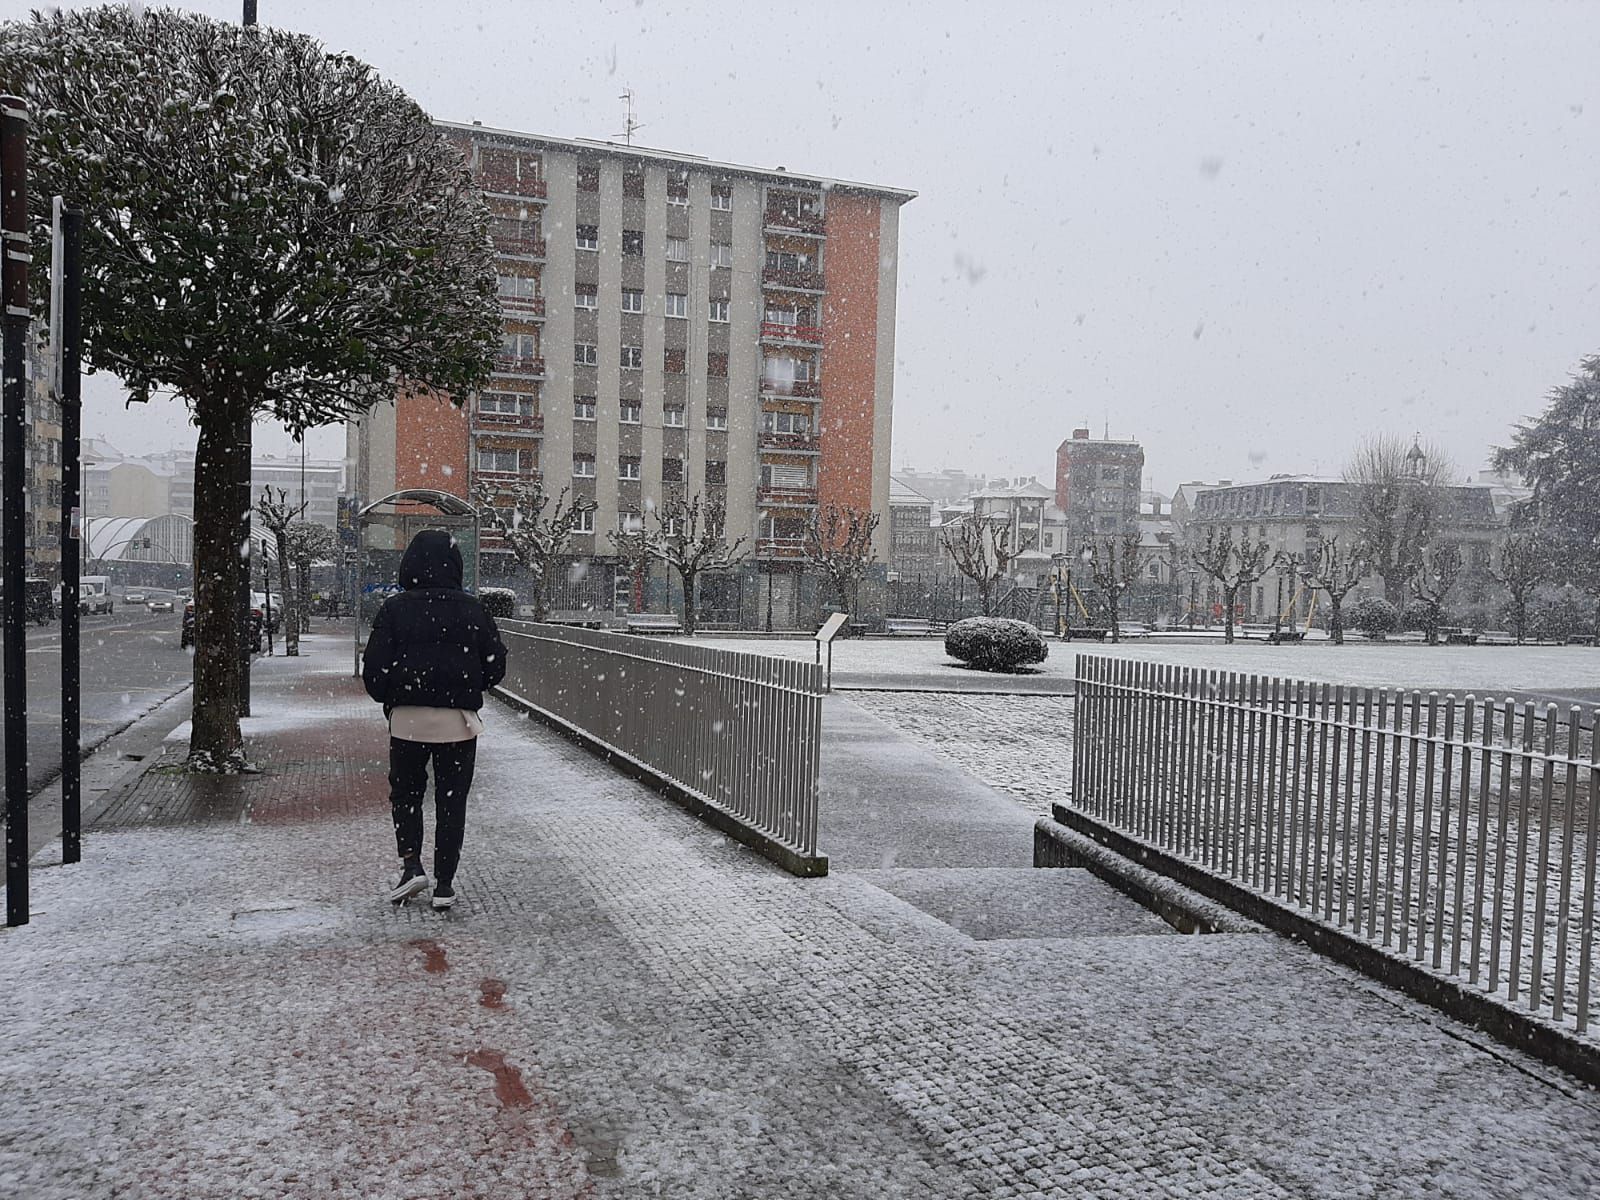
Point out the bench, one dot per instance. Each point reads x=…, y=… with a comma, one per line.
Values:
x=653, y=623
x=1098, y=635
x=911, y=626
x=1279, y=636
x=1452, y=635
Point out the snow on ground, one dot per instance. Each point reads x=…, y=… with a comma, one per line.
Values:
x=1481, y=669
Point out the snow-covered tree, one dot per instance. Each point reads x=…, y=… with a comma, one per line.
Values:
x=691, y=537
x=1401, y=491
x=983, y=551
x=1435, y=574
x=1234, y=565
x=1114, y=565
x=1335, y=571
x=276, y=517
x=838, y=543
x=537, y=528
x=309, y=542
x=269, y=230
x=1520, y=564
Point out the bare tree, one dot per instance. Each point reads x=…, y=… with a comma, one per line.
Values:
x=633, y=548
x=691, y=538
x=1435, y=574
x=1335, y=571
x=838, y=543
x=1400, y=494
x=277, y=516
x=308, y=542
x=1233, y=566
x=537, y=529
x=982, y=551
x=1520, y=565
x=1114, y=565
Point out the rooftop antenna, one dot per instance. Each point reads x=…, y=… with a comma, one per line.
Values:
x=629, y=125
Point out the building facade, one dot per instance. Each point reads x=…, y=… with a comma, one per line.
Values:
x=1098, y=486
x=673, y=327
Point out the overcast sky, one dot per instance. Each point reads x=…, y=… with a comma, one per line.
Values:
x=1241, y=233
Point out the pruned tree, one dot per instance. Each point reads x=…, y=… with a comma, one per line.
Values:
x=1114, y=565
x=983, y=551
x=537, y=528
x=1233, y=565
x=1557, y=453
x=1400, y=491
x=633, y=549
x=691, y=537
x=1335, y=571
x=1520, y=564
x=277, y=517
x=269, y=230
x=838, y=543
x=1431, y=581
x=309, y=542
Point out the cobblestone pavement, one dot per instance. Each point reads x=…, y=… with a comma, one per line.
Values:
x=627, y=1004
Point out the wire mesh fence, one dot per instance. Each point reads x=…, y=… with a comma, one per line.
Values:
x=1455, y=831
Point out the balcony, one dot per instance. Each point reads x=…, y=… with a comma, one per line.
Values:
x=791, y=443
x=787, y=497
x=504, y=183
x=512, y=364
x=798, y=389
x=792, y=279
x=513, y=423
x=517, y=245
x=783, y=549
x=779, y=331
x=522, y=308
x=777, y=220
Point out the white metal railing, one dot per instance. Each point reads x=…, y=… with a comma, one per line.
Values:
x=1458, y=833
x=741, y=733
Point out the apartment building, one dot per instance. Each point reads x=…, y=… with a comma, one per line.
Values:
x=41, y=464
x=672, y=327
x=1098, y=485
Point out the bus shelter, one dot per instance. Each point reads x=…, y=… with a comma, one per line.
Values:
x=383, y=530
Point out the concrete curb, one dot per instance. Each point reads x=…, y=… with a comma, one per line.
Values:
x=1531, y=1034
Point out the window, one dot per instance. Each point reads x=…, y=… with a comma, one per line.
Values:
x=719, y=311
x=1106, y=524
x=784, y=260
x=677, y=249
x=588, y=179
x=492, y=458
x=678, y=189
x=583, y=408
x=632, y=300
x=627, y=468
x=633, y=241
x=721, y=254
x=630, y=412
x=672, y=361
x=717, y=365
x=785, y=475
x=630, y=522
x=1107, y=474
x=588, y=237
x=783, y=422
x=1049, y=541
x=674, y=417
x=583, y=466
x=783, y=529
x=584, y=296
x=585, y=354
x=1313, y=499
x=584, y=518
x=505, y=403
x=805, y=370
x=677, y=304
x=716, y=418
x=519, y=345
x=519, y=287
x=633, y=358
x=717, y=473
x=722, y=198
x=672, y=470
x=633, y=184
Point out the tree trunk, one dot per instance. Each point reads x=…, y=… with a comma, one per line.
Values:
x=1336, y=618
x=1114, y=606
x=984, y=588
x=214, y=740
x=1229, y=594
x=302, y=594
x=688, y=600
x=291, y=631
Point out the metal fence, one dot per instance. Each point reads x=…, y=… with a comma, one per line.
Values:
x=740, y=733
x=1458, y=833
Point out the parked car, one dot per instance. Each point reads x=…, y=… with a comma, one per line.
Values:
x=157, y=604
x=257, y=626
x=94, y=594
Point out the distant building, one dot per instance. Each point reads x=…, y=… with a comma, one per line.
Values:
x=1098, y=485
x=914, y=549
x=942, y=487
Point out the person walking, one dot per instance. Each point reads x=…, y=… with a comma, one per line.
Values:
x=432, y=653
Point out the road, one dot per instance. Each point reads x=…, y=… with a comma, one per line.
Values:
x=131, y=662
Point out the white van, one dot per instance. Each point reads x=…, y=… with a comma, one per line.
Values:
x=94, y=594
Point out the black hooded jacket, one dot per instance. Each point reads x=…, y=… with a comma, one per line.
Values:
x=433, y=644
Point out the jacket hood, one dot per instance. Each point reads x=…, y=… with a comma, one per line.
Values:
x=433, y=560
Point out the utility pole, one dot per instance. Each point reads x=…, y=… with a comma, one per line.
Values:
x=67, y=268
x=241, y=478
x=14, y=320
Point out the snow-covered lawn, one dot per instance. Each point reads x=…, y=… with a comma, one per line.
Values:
x=1480, y=669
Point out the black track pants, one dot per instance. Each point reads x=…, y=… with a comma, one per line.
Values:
x=408, y=784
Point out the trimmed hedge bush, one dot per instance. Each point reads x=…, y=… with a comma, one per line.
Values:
x=498, y=602
x=1374, y=616
x=995, y=643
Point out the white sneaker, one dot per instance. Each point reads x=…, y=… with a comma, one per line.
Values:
x=412, y=881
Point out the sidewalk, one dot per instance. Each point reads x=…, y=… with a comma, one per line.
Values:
x=216, y=1002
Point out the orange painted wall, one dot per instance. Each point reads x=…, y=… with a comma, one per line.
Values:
x=849, y=350
x=430, y=443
